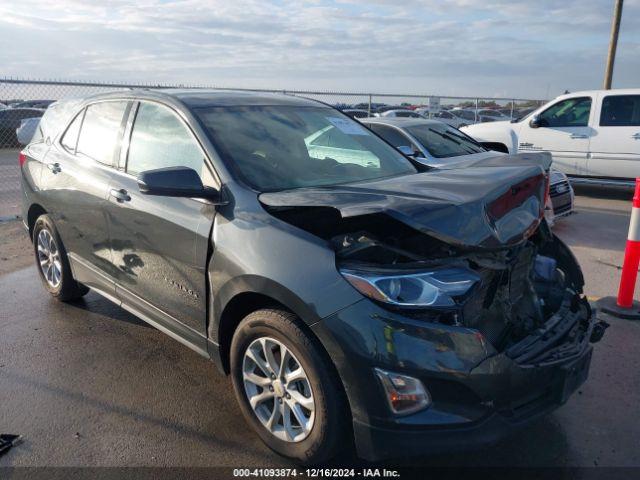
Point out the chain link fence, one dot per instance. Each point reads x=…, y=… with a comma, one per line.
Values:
x=23, y=102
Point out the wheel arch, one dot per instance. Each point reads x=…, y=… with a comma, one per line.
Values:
x=33, y=213
x=243, y=295
x=498, y=135
x=247, y=294
x=236, y=309
x=496, y=146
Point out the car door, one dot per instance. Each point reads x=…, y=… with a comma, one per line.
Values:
x=564, y=131
x=615, y=150
x=159, y=245
x=76, y=177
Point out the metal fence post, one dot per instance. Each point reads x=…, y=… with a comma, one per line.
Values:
x=513, y=104
x=369, y=105
x=476, y=115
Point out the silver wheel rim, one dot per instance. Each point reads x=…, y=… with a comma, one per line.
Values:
x=49, y=258
x=278, y=390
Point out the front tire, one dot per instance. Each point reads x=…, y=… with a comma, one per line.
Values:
x=287, y=389
x=52, y=262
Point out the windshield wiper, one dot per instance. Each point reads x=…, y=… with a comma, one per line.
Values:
x=445, y=135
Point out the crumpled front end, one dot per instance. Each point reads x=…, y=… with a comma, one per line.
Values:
x=473, y=318
x=513, y=347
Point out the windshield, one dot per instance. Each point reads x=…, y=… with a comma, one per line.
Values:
x=523, y=114
x=284, y=147
x=442, y=141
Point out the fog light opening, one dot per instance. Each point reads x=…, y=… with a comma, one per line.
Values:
x=404, y=394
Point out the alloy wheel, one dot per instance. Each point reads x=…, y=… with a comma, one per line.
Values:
x=49, y=258
x=278, y=389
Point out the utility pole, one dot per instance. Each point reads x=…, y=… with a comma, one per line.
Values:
x=613, y=43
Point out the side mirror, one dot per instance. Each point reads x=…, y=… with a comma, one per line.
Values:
x=535, y=122
x=175, y=182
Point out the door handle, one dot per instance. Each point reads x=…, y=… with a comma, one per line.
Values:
x=578, y=135
x=636, y=136
x=54, y=167
x=120, y=195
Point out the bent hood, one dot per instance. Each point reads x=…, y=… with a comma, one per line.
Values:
x=495, y=203
x=493, y=159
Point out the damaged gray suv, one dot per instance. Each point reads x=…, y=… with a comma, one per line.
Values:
x=352, y=294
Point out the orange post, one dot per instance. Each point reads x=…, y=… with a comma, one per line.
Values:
x=631, y=255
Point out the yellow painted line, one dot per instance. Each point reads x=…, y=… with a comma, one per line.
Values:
x=593, y=299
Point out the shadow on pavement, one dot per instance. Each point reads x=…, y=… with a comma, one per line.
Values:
x=610, y=193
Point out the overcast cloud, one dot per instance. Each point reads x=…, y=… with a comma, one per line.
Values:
x=456, y=47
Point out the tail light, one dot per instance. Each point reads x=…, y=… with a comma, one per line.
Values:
x=21, y=159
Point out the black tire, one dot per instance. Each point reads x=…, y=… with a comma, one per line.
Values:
x=331, y=415
x=67, y=289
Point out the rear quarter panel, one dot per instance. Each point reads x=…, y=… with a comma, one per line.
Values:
x=31, y=176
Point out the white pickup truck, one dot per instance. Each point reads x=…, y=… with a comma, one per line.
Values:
x=593, y=136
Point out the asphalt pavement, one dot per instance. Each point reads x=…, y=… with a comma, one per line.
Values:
x=9, y=183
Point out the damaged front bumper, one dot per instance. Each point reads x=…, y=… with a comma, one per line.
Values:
x=478, y=394
x=563, y=337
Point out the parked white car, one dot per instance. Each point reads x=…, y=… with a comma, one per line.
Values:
x=593, y=136
x=399, y=113
x=440, y=146
x=428, y=112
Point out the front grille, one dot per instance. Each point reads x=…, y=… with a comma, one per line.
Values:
x=561, y=209
x=559, y=188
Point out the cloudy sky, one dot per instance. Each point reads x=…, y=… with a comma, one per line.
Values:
x=509, y=48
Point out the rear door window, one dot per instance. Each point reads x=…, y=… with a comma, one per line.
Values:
x=101, y=131
x=70, y=138
x=620, y=111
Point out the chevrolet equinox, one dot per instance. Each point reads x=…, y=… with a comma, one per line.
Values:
x=352, y=294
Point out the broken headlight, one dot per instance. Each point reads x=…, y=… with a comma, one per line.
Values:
x=435, y=288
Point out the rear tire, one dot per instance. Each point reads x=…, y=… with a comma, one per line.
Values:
x=313, y=392
x=52, y=262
